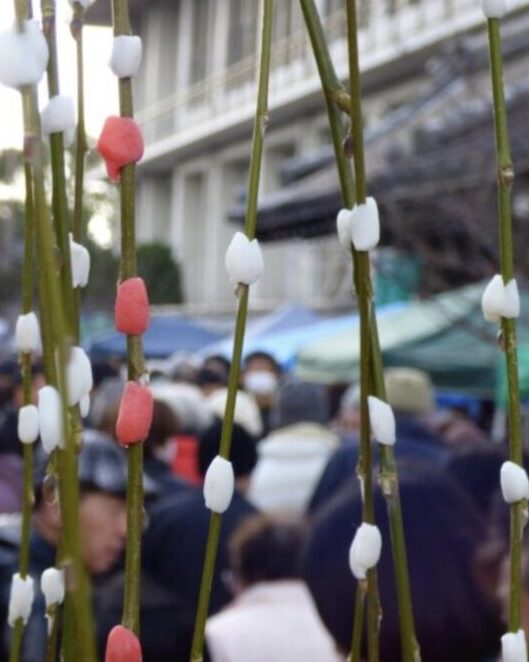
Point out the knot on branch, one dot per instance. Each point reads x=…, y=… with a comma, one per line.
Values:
x=507, y=175
x=388, y=484
x=264, y=121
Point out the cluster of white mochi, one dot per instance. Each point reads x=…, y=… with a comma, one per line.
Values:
x=244, y=260
x=58, y=116
x=500, y=300
x=125, y=59
x=494, y=8
x=219, y=484
x=24, y=55
x=359, y=226
x=514, y=647
x=49, y=420
x=365, y=549
x=80, y=261
x=20, y=599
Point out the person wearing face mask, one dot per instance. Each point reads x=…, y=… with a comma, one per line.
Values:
x=260, y=377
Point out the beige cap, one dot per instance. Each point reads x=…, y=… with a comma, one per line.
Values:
x=409, y=390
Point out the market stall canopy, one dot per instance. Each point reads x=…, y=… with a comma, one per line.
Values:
x=334, y=358
x=285, y=345
x=285, y=320
x=166, y=335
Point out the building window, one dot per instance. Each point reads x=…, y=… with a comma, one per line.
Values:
x=288, y=32
x=242, y=32
x=199, y=39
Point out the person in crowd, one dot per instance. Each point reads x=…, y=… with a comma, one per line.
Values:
x=159, y=450
x=209, y=381
x=346, y=423
x=293, y=456
x=219, y=365
x=410, y=393
x=477, y=470
x=102, y=522
x=104, y=405
x=9, y=441
x=11, y=465
x=189, y=407
x=272, y=616
x=175, y=541
x=246, y=413
x=260, y=376
x=456, y=618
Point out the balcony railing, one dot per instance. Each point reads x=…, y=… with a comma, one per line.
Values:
x=388, y=29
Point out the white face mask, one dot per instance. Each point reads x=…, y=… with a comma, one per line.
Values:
x=260, y=382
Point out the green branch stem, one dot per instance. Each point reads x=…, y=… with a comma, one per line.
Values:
x=505, y=176
x=59, y=194
x=135, y=358
x=388, y=475
x=55, y=346
x=81, y=146
x=362, y=283
x=25, y=366
x=259, y=129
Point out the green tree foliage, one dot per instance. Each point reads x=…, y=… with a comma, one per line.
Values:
x=160, y=272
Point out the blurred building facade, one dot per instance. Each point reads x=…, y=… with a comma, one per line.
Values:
x=195, y=100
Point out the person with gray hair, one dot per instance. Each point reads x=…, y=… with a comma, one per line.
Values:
x=293, y=455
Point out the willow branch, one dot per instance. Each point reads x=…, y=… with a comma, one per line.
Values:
x=259, y=128
x=52, y=312
x=362, y=281
x=388, y=477
x=135, y=358
x=59, y=196
x=25, y=364
x=505, y=176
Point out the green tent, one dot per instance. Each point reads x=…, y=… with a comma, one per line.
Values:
x=445, y=336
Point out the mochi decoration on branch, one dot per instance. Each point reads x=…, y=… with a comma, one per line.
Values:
x=382, y=420
x=52, y=586
x=50, y=418
x=219, y=484
x=120, y=143
x=20, y=599
x=125, y=59
x=511, y=301
x=28, y=424
x=79, y=375
x=514, y=482
x=514, y=647
x=84, y=405
x=24, y=55
x=27, y=334
x=365, y=550
x=135, y=414
x=365, y=225
x=343, y=228
x=494, y=8
x=132, y=307
x=244, y=260
x=122, y=646
x=58, y=116
x=80, y=261
x=499, y=300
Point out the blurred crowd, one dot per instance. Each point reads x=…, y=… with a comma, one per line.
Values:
x=282, y=588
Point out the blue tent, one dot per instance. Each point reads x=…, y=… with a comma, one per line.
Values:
x=166, y=335
x=286, y=320
x=284, y=345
